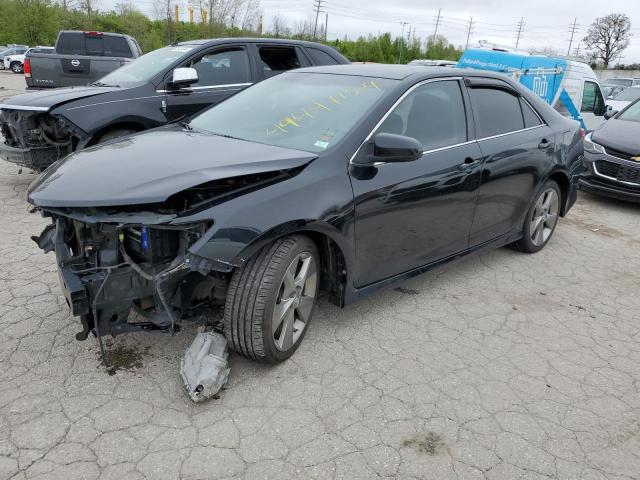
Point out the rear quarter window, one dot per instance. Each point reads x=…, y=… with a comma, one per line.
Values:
x=531, y=118
x=320, y=57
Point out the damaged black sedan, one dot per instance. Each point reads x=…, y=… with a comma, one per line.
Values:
x=343, y=180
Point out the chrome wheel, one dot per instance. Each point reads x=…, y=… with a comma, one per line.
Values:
x=295, y=301
x=545, y=217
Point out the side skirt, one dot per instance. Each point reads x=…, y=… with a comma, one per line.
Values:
x=353, y=294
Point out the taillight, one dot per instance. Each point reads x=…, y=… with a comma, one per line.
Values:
x=26, y=68
x=582, y=134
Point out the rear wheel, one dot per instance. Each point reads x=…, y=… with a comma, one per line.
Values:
x=16, y=67
x=270, y=300
x=541, y=219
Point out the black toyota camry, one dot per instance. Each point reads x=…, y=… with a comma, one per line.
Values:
x=337, y=179
x=612, y=156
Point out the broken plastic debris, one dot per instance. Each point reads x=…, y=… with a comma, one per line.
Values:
x=204, y=367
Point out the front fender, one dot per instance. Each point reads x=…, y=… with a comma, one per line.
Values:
x=314, y=200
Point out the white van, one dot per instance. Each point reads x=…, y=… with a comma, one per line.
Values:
x=571, y=87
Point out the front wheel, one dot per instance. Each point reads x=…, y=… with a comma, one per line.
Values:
x=541, y=219
x=270, y=300
x=16, y=67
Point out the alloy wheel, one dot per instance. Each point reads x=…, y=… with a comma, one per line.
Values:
x=545, y=217
x=295, y=301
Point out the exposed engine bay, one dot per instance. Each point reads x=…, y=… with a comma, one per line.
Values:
x=34, y=139
x=108, y=270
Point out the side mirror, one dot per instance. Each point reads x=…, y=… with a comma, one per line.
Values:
x=610, y=113
x=389, y=147
x=183, y=77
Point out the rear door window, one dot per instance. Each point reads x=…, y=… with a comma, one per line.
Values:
x=496, y=111
x=226, y=67
x=320, y=57
x=279, y=59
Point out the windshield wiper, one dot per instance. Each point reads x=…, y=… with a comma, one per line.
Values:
x=101, y=84
x=224, y=135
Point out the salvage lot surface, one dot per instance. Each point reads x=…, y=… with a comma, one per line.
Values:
x=11, y=84
x=506, y=366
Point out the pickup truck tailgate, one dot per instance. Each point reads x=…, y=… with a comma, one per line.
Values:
x=69, y=70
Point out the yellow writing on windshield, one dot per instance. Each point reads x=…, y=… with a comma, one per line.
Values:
x=311, y=111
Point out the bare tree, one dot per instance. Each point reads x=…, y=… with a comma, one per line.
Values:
x=304, y=28
x=125, y=8
x=279, y=27
x=608, y=37
x=252, y=14
x=67, y=4
x=89, y=6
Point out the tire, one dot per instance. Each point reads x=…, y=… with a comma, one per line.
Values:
x=16, y=67
x=541, y=219
x=113, y=134
x=265, y=285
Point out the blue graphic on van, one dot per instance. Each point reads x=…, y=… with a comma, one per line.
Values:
x=541, y=75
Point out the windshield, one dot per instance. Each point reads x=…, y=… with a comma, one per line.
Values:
x=146, y=67
x=631, y=113
x=628, y=95
x=625, y=82
x=304, y=111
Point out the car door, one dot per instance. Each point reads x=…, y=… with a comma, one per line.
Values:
x=411, y=214
x=222, y=71
x=592, y=106
x=517, y=148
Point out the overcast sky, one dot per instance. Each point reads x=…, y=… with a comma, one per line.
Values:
x=546, y=22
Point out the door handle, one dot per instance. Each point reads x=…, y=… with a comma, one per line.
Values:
x=469, y=164
x=544, y=143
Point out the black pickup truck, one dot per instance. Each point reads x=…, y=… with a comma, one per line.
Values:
x=163, y=86
x=79, y=59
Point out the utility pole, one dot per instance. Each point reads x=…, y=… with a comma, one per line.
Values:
x=572, y=30
x=577, y=50
x=469, y=32
x=400, y=44
x=318, y=4
x=435, y=32
x=519, y=33
x=326, y=23
x=169, y=35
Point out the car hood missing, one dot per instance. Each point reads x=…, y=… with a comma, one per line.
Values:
x=150, y=167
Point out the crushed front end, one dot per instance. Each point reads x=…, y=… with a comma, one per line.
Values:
x=33, y=139
x=107, y=270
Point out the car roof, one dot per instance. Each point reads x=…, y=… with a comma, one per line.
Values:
x=398, y=72
x=214, y=41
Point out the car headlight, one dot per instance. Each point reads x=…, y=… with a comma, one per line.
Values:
x=591, y=146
